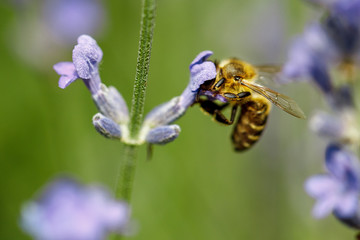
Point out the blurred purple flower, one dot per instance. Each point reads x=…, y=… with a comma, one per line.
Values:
x=343, y=26
x=341, y=127
x=344, y=16
x=86, y=58
x=67, y=210
x=338, y=190
x=310, y=57
x=68, y=19
x=327, y=125
x=333, y=41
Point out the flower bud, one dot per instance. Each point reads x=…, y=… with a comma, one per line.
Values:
x=163, y=134
x=106, y=127
x=111, y=104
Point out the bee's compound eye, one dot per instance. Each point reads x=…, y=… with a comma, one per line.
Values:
x=243, y=94
x=219, y=83
x=230, y=95
x=237, y=78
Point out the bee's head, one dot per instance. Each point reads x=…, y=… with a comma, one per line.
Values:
x=231, y=72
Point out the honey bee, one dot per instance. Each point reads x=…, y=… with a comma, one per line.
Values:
x=235, y=85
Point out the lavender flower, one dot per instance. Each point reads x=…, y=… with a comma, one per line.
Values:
x=114, y=117
x=87, y=56
x=339, y=189
x=166, y=113
x=67, y=210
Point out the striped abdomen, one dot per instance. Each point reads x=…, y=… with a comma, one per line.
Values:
x=250, y=124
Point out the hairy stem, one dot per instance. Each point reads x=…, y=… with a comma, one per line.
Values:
x=126, y=173
x=142, y=67
x=127, y=167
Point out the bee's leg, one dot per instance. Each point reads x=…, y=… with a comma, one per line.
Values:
x=215, y=110
x=233, y=113
x=222, y=119
x=210, y=107
x=197, y=97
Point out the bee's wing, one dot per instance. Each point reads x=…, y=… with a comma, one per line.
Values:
x=270, y=69
x=268, y=74
x=284, y=102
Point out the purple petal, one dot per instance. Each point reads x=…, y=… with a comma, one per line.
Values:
x=321, y=53
x=348, y=205
x=86, y=56
x=67, y=72
x=64, y=68
x=116, y=215
x=65, y=81
x=325, y=206
x=86, y=40
x=298, y=62
x=201, y=73
x=341, y=163
x=200, y=58
x=201, y=70
x=320, y=186
x=349, y=11
x=343, y=26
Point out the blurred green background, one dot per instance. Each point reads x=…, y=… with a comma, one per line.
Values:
x=195, y=187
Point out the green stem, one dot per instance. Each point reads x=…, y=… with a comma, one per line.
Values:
x=125, y=178
x=142, y=67
x=126, y=173
x=128, y=163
